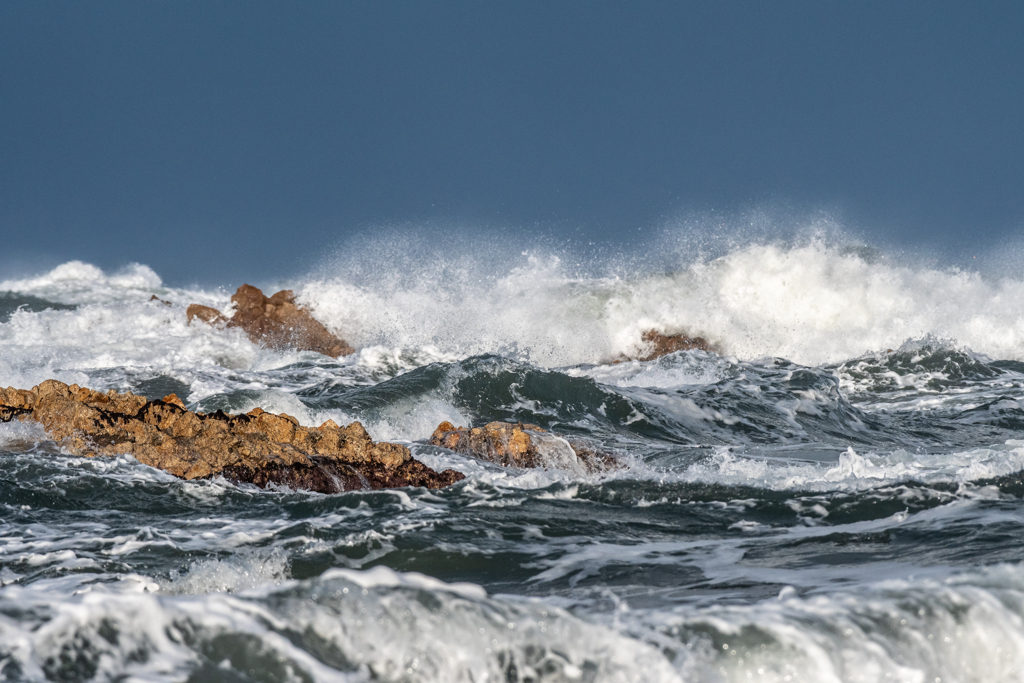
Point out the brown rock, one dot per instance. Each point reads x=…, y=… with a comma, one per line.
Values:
x=520, y=445
x=174, y=400
x=259, y=447
x=210, y=316
x=276, y=322
x=657, y=344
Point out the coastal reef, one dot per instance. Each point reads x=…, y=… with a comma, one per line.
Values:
x=257, y=448
x=521, y=445
x=275, y=322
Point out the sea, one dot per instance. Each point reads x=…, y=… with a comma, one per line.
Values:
x=838, y=495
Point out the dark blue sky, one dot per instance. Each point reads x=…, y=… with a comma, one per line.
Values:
x=231, y=140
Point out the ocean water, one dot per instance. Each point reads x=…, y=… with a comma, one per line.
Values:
x=838, y=496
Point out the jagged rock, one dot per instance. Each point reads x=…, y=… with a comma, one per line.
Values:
x=520, y=445
x=657, y=344
x=276, y=322
x=259, y=447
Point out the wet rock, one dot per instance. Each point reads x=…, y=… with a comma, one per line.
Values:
x=210, y=316
x=259, y=447
x=657, y=344
x=521, y=445
x=276, y=322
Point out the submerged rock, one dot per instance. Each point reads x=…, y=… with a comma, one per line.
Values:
x=276, y=322
x=258, y=447
x=657, y=344
x=520, y=445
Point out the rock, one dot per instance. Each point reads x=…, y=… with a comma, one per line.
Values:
x=657, y=344
x=174, y=400
x=210, y=316
x=276, y=322
x=521, y=445
x=259, y=447
x=156, y=298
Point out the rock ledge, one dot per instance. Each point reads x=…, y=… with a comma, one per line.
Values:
x=259, y=448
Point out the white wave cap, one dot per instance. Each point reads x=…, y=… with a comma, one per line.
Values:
x=76, y=282
x=811, y=303
x=376, y=625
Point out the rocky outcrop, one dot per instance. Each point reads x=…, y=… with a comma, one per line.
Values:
x=656, y=345
x=258, y=447
x=275, y=322
x=520, y=445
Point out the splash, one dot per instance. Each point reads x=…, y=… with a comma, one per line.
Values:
x=76, y=282
x=811, y=303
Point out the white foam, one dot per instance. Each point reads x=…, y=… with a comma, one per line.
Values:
x=812, y=303
x=375, y=625
x=853, y=471
x=240, y=572
x=142, y=335
x=402, y=420
x=385, y=577
x=76, y=282
x=965, y=628
x=20, y=435
x=674, y=370
x=382, y=624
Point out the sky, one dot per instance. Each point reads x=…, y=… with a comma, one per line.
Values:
x=217, y=141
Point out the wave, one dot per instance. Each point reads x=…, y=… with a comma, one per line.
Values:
x=813, y=302
x=76, y=282
x=384, y=625
x=810, y=303
x=965, y=628
x=344, y=625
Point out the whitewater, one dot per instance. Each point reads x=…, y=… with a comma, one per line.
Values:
x=838, y=495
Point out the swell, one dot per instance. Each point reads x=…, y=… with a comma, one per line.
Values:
x=78, y=520
x=874, y=401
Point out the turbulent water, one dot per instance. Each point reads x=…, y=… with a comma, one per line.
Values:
x=836, y=497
